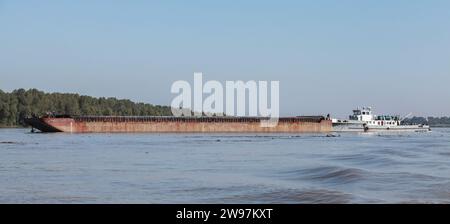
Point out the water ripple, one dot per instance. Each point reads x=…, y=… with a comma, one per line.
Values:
x=328, y=174
x=290, y=196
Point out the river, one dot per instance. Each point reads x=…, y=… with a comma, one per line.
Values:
x=224, y=168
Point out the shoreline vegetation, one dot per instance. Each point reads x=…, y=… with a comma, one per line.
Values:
x=434, y=122
x=20, y=103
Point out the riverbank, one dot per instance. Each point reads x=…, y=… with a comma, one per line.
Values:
x=440, y=126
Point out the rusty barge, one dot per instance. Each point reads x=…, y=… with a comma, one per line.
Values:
x=162, y=124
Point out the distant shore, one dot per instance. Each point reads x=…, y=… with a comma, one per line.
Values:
x=440, y=126
x=21, y=103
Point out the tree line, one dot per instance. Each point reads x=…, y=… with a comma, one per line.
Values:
x=20, y=103
x=432, y=121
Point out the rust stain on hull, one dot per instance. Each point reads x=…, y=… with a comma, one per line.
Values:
x=88, y=124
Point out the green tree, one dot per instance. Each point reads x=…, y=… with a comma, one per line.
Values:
x=21, y=103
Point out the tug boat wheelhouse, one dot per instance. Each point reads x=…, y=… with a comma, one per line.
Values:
x=364, y=120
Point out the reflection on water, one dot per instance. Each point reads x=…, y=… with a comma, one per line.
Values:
x=220, y=168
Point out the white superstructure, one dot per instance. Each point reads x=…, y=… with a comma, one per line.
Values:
x=364, y=120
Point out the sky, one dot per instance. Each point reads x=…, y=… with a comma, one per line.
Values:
x=329, y=56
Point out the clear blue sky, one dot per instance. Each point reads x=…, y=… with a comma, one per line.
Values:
x=329, y=56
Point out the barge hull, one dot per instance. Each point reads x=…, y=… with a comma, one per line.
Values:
x=313, y=124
